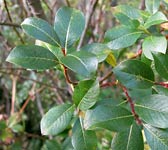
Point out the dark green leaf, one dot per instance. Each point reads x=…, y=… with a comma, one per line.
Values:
x=56, y=119
x=130, y=139
x=81, y=62
x=161, y=64
x=69, y=24
x=152, y=6
x=100, y=50
x=154, y=44
x=155, y=19
x=67, y=144
x=134, y=74
x=40, y=29
x=51, y=145
x=86, y=94
x=153, y=110
x=32, y=57
x=83, y=139
x=156, y=138
x=113, y=118
x=121, y=37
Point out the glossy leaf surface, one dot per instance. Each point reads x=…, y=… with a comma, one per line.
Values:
x=57, y=119
x=153, y=110
x=152, y=6
x=86, y=94
x=40, y=29
x=32, y=57
x=69, y=24
x=134, y=74
x=83, y=139
x=83, y=63
x=109, y=117
x=154, y=44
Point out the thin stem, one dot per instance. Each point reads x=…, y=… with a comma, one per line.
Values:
x=10, y=19
x=106, y=77
x=14, y=80
x=108, y=84
x=68, y=3
x=10, y=24
x=131, y=105
x=139, y=53
x=163, y=84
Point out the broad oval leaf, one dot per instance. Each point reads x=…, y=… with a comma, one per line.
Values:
x=40, y=29
x=86, y=94
x=109, y=117
x=57, y=119
x=81, y=62
x=153, y=110
x=32, y=57
x=161, y=64
x=121, y=37
x=130, y=139
x=99, y=49
x=156, y=138
x=69, y=24
x=152, y=6
x=83, y=139
x=154, y=44
x=155, y=19
x=134, y=74
x=51, y=144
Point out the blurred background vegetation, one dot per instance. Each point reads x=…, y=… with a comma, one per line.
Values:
x=26, y=95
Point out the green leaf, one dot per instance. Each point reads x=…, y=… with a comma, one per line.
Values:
x=109, y=117
x=156, y=138
x=161, y=64
x=154, y=44
x=129, y=11
x=83, y=139
x=81, y=62
x=51, y=145
x=153, y=110
x=86, y=94
x=69, y=24
x=121, y=37
x=57, y=119
x=40, y=29
x=152, y=6
x=155, y=19
x=67, y=144
x=32, y=57
x=130, y=139
x=134, y=74
x=99, y=49
x=125, y=20
x=111, y=59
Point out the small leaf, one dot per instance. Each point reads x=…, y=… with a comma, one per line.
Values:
x=134, y=74
x=83, y=139
x=40, y=29
x=130, y=139
x=154, y=44
x=86, y=94
x=109, y=117
x=125, y=20
x=153, y=110
x=156, y=138
x=99, y=49
x=32, y=57
x=161, y=64
x=155, y=19
x=152, y=6
x=111, y=59
x=57, y=119
x=81, y=62
x=129, y=11
x=69, y=24
x=121, y=37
